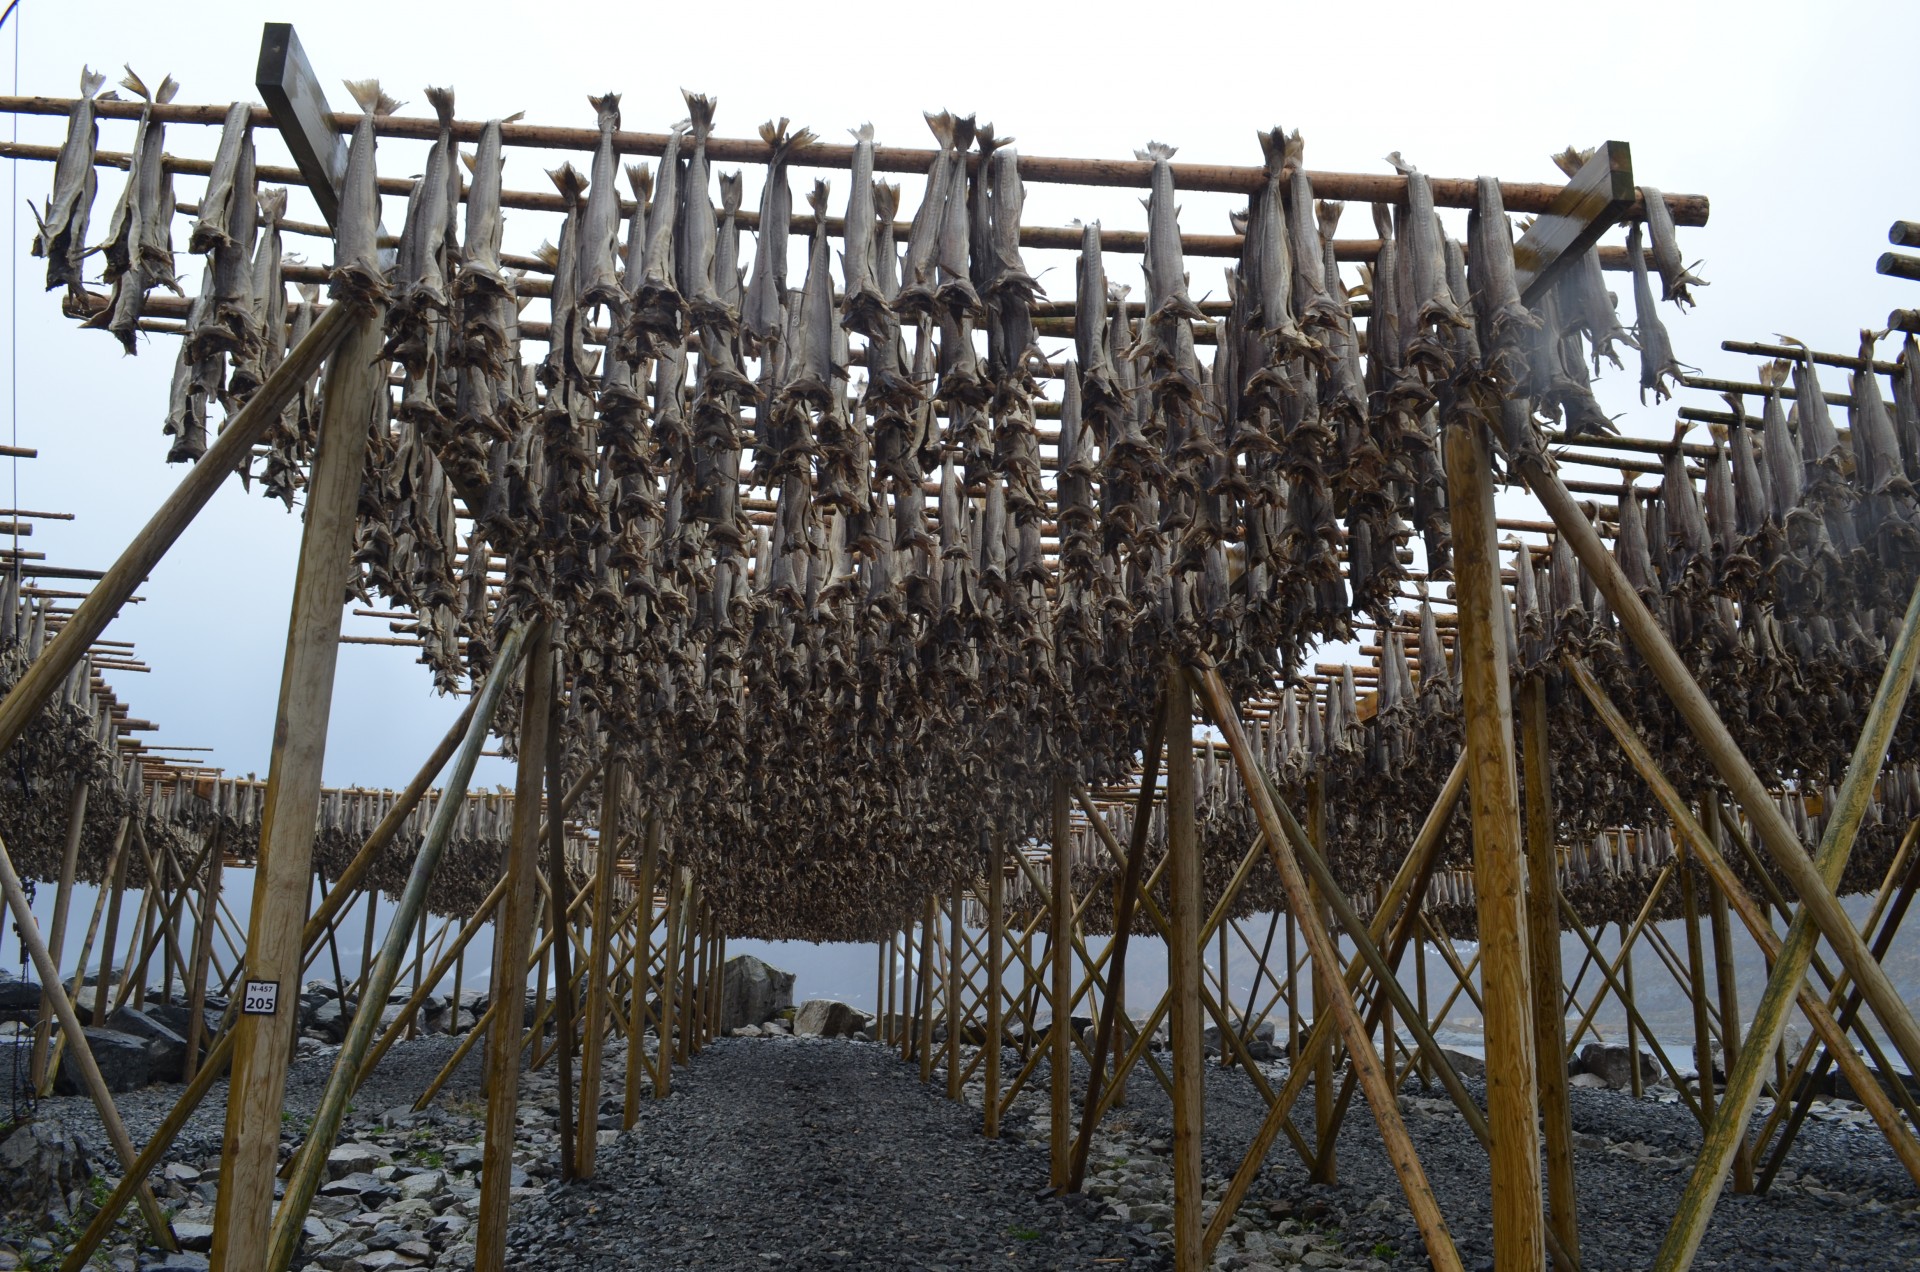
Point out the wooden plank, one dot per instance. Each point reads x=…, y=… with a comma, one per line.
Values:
x=300, y=111
x=1599, y=195
x=1499, y=863
x=264, y=1043
x=1183, y=977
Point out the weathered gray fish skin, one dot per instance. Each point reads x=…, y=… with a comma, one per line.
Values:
x=139, y=247
x=727, y=283
x=1786, y=475
x=1312, y=307
x=269, y=291
x=917, y=294
x=1820, y=446
x=811, y=367
x=954, y=273
x=210, y=226
x=720, y=328
x=658, y=308
x=228, y=325
x=1876, y=447
x=891, y=387
x=1097, y=376
x=480, y=250
x=1504, y=322
x=420, y=282
x=356, y=274
x=982, y=263
x=1906, y=405
x=566, y=364
x=1343, y=385
x=1420, y=236
x=1752, y=503
x=61, y=231
x=1657, y=363
x=696, y=267
x=766, y=291
x=599, y=280
x=1011, y=290
x=1167, y=297
x=864, y=307
x=1267, y=259
x=1675, y=277
x=1560, y=371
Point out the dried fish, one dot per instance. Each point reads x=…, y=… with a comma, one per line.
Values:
x=139, y=245
x=599, y=283
x=766, y=292
x=1675, y=277
x=357, y=275
x=696, y=262
x=864, y=307
x=1657, y=363
x=61, y=231
x=953, y=274
x=655, y=319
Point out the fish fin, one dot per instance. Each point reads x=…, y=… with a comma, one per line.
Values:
x=1273, y=147
x=1296, y=149
x=1572, y=159
x=547, y=253
x=774, y=134
x=514, y=118
x=132, y=82
x=168, y=90
x=471, y=162
x=367, y=94
x=606, y=110
x=817, y=199
x=91, y=81
x=273, y=203
x=1156, y=152
x=963, y=130
x=941, y=126
x=700, y=112
x=863, y=133
x=886, y=200
x=569, y=180
x=441, y=99
x=640, y=177
x=1329, y=211
x=1237, y=221
x=731, y=190
x=1400, y=165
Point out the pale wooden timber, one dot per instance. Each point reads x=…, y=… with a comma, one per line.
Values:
x=1183, y=974
x=593, y=1047
x=263, y=1043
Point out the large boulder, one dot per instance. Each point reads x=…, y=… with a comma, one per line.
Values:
x=124, y=1061
x=17, y=994
x=43, y=1173
x=753, y=992
x=166, y=1049
x=826, y=1018
x=1613, y=1062
x=1259, y=1046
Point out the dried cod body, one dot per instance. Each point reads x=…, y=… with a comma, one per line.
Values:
x=61, y=225
x=1675, y=277
x=357, y=275
x=764, y=316
x=1657, y=363
x=139, y=245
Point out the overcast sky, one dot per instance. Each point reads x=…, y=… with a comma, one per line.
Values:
x=1794, y=119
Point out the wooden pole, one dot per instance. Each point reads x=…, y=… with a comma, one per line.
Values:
x=1728, y=989
x=202, y=955
x=996, y=920
x=57, y=938
x=905, y=1028
x=954, y=981
x=1499, y=864
x=612, y=788
x=1543, y=948
x=1183, y=975
x=1326, y=1169
x=924, y=1049
x=233, y=446
x=49, y=971
x=1060, y=945
x=642, y=977
x=263, y=1043
x=384, y=971
x=513, y=934
x=560, y=898
x=110, y=942
x=670, y=979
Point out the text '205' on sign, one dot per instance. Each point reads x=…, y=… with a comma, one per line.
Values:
x=262, y=998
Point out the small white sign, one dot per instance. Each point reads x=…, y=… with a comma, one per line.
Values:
x=262, y=998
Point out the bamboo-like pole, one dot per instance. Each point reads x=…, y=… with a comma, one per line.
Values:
x=1821, y=907
x=57, y=938
x=1635, y=1082
x=264, y=1043
x=1183, y=974
x=1696, y=991
x=513, y=933
x=954, y=981
x=560, y=897
x=110, y=940
x=689, y=998
x=1285, y=838
x=234, y=444
x=1543, y=948
x=670, y=987
x=996, y=920
x=49, y=972
x=1060, y=945
x=1499, y=862
x=202, y=955
x=638, y=1012
x=593, y=1048
x=304, y=1182
x=924, y=1048
x=909, y=986
x=1325, y=1168
x=1728, y=990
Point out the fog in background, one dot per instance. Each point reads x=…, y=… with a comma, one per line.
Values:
x=1794, y=121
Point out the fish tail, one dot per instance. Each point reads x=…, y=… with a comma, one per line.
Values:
x=731, y=188
x=1273, y=147
x=863, y=133
x=640, y=177
x=273, y=204
x=91, y=81
x=1329, y=211
x=886, y=200
x=963, y=131
x=1572, y=159
x=1156, y=152
x=700, y=109
x=1400, y=165
x=132, y=82
x=367, y=94
x=169, y=87
x=441, y=99
x=606, y=110
x=941, y=126
x=817, y=199
x=568, y=180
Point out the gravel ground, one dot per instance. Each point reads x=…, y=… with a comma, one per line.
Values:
x=810, y=1153
x=784, y=1152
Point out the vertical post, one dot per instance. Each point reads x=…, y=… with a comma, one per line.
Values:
x=1183, y=976
x=1635, y=1083
x=1543, y=947
x=689, y=996
x=890, y=983
x=366, y=947
x=1697, y=990
x=905, y=1028
x=1326, y=1167
x=202, y=955
x=1060, y=945
x=57, y=938
x=1426, y=1013
x=1729, y=990
x=110, y=942
x=1226, y=999
x=670, y=978
x=512, y=942
x=1117, y=991
x=1499, y=868
x=996, y=919
x=560, y=910
x=355, y=379
x=641, y=979
x=419, y=958
x=954, y=981
x=924, y=1048
x=1293, y=979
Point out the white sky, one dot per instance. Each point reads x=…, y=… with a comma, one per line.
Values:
x=1794, y=119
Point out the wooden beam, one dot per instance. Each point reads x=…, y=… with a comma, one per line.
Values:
x=1183, y=976
x=1598, y=197
x=1543, y=949
x=612, y=789
x=298, y=105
